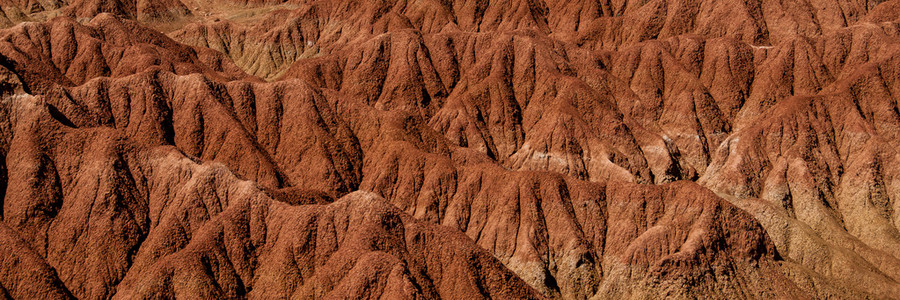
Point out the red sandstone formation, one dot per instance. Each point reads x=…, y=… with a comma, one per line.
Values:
x=449, y=149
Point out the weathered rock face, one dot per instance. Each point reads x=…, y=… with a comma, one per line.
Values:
x=64, y=53
x=141, y=10
x=168, y=226
x=449, y=149
x=125, y=220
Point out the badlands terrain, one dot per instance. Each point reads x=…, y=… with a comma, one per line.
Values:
x=455, y=149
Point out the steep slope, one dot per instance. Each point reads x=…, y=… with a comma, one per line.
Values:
x=823, y=161
x=576, y=239
x=450, y=149
x=152, y=222
x=261, y=51
x=154, y=202
x=265, y=45
x=67, y=53
x=233, y=123
x=141, y=10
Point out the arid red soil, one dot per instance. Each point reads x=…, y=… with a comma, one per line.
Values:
x=423, y=149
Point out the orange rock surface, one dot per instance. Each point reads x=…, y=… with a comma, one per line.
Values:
x=449, y=149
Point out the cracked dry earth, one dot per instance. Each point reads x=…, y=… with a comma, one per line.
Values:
x=464, y=149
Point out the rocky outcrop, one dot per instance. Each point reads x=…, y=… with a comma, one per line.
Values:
x=95, y=215
x=495, y=149
x=571, y=238
x=265, y=49
x=64, y=52
x=141, y=10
